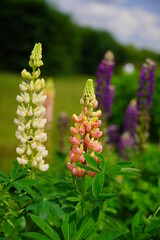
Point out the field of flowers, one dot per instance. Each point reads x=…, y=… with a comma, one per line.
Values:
x=85, y=167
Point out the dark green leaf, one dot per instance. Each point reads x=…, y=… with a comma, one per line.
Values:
x=43, y=209
x=97, y=184
x=14, y=169
x=125, y=164
x=101, y=158
x=3, y=174
x=91, y=161
x=45, y=227
x=35, y=235
x=32, y=206
x=69, y=223
x=84, y=228
x=55, y=208
x=86, y=167
x=73, y=199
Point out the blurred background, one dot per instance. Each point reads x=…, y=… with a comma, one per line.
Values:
x=75, y=36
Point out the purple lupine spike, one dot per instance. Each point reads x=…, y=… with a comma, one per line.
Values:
x=130, y=121
x=104, y=91
x=113, y=134
x=125, y=144
x=146, y=86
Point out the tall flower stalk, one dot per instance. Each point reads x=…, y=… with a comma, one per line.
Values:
x=62, y=128
x=144, y=101
x=49, y=103
x=85, y=133
x=127, y=141
x=104, y=90
x=30, y=115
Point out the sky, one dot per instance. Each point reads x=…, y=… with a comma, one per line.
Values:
x=134, y=22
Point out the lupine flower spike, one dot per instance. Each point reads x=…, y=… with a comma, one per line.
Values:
x=86, y=132
x=130, y=122
x=104, y=90
x=144, y=102
x=62, y=128
x=31, y=112
x=49, y=103
x=128, y=140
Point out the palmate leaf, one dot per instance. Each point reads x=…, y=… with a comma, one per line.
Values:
x=35, y=235
x=45, y=227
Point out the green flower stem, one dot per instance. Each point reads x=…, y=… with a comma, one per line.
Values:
x=83, y=196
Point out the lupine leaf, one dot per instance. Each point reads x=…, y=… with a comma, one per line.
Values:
x=101, y=158
x=43, y=209
x=91, y=161
x=84, y=228
x=97, y=184
x=69, y=223
x=87, y=168
x=55, y=208
x=45, y=227
x=14, y=169
x=35, y=235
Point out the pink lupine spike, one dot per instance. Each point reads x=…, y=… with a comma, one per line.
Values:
x=69, y=166
x=85, y=132
x=75, y=172
x=73, y=131
x=97, y=134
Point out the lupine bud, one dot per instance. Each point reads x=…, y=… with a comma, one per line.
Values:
x=86, y=132
x=30, y=114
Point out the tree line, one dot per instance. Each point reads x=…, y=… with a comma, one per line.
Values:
x=67, y=47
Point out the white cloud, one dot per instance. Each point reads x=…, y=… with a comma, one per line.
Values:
x=129, y=25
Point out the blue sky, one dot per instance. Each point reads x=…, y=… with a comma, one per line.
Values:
x=130, y=21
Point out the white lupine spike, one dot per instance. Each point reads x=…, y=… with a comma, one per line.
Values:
x=30, y=115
